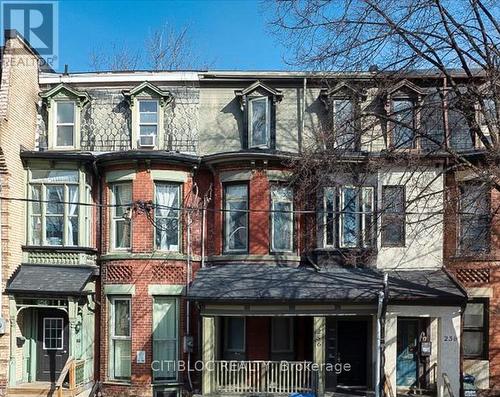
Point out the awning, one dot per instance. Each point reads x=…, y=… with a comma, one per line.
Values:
x=55, y=280
x=238, y=283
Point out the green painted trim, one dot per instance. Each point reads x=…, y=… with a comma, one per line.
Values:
x=277, y=175
x=119, y=289
x=165, y=289
x=120, y=175
x=169, y=175
x=234, y=176
x=141, y=256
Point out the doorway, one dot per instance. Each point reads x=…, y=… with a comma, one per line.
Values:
x=52, y=344
x=407, y=352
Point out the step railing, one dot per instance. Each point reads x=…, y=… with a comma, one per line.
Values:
x=280, y=377
x=75, y=371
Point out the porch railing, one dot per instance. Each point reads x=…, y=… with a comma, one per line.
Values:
x=280, y=377
x=75, y=371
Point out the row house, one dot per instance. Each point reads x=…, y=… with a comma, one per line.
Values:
x=169, y=246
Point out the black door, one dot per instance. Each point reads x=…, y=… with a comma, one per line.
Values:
x=352, y=349
x=52, y=344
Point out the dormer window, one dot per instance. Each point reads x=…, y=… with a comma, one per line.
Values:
x=64, y=105
x=343, y=123
x=259, y=122
x=258, y=103
x=148, y=123
x=148, y=107
x=65, y=124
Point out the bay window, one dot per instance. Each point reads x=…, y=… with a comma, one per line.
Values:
x=236, y=218
x=167, y=216
x=259, y=122
x=121, y=198
x=120, y=338
x=393, y=217
x=474, y=219
x=353, y=227
x=475, y=332
x=165, y=338
x=65, y=124
x=403, y=131
x=54, y=207
x=281, y=219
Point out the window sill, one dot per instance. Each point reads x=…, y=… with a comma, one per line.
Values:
x=253, y=258
x=117, y=255
x=113, y=382
x=61, y=248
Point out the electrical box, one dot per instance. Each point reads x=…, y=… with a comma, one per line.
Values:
x=188, y=344
x=141, y=357
x=3, y=326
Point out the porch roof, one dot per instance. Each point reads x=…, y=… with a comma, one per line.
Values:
x=55, y=280
x=270, y=283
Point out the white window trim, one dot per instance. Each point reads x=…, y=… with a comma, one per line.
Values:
x=226, y=349
x=62, y=333
x=268, y=122
x=113, y=217
x=291, y=220
x=291, y=336
x=226, y=249
x=52, y=135
x=177, y=338
x=325, y=218
x=341, y=215
x=113, y=337
x=160, y=133
x=179, y=222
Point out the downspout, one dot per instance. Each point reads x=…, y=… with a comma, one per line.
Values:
x=2, y=320
x=380, y=315
x=99, y=242
x=303, y=113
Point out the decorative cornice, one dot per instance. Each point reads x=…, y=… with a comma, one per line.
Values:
x=164, y=96
x=276, y=95
x=326, y=94
x=408, y=84
x=82, y=96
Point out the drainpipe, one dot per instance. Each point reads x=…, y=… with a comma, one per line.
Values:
x=3, y=323
x=378, y=362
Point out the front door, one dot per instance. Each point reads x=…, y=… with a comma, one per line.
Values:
x=407, y=358
x=52, y=344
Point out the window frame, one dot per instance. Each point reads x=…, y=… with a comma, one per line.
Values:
x=485, y=302
x=62, y=333
x=43, y=203
x=113, y=337
x=291, y=219
x=114, y=218
x=334, y=223
x=178, y=330
x=140, y=123
x=396, y=123
x=179, y=186
x=56, y=124
x=291, y=340
x=227, y=212
x=353, y=103
x=392, y=216
x=226, y=332
x=268, y=115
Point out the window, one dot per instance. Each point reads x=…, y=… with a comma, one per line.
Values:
x=167, y=216
x=53, y=333
x=476, y=330
x=236, y=218
x=354, y=228
x=165, y=338
x=474, y=220
x=343, y=123
x=65, y=124
x=281, y=219
x=234, y=331
x=54, y=211
x=148, y=122
x=282, y=335
x=120, y=214
x=403, y=134
x=393, y=216
x=489, y=111
x=259, y=123
x=121, y=342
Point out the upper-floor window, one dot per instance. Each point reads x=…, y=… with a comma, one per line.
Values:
x=474, y=219
x=148, y=123
x=393, y=217
x=259, y=122
x=476, y=330
x=404, y=124
x=281, y=219
x=167, y=216
x=65, y=124
x=54, y=210
x=236, y=218
x=121, y=198
x=351, y=226
x=343, y=123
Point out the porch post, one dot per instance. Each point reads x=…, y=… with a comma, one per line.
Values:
x=13, y=344
x=319, y=343
x=72, y=319
x=208, y=354
x=391, y=334
x=449, y=353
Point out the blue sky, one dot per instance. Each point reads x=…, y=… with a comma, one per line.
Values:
x=228, y=34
